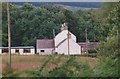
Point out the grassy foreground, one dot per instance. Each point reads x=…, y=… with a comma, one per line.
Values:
x=23, y=66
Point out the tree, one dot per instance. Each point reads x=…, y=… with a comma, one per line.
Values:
x=110, y=36
x=29, y=23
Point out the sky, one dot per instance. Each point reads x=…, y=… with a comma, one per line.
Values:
x=59, y=0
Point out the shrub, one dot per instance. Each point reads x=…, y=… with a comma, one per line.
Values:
x=109, y=48
x=72, y=69
x=92, y=51
x=107, y=68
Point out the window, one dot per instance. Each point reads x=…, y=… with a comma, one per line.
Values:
x=42, y=50
x=17, y=50
x=5, y=50
x=27, y=50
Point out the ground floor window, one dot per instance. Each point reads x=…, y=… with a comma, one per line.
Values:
x=26, y=50
x=17, y=50
x=42, y=50
x=5, y=50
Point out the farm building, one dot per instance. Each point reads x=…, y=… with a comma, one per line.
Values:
x=88, y=46
x=45, y=46
x=63, y=43
x=25, y=50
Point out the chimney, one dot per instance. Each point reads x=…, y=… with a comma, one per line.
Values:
x=64, y=27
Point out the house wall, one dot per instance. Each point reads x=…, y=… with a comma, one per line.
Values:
x=74, y=48
x=20, y=51
x=12, y=51
x=63, y=35
x=47, y=51
x=0, y=51
x=32, y=52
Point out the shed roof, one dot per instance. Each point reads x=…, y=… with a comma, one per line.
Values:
x=45, y=43
x=18, y=47
x=91, y=45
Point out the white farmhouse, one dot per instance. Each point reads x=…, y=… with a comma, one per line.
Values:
x=63, y=43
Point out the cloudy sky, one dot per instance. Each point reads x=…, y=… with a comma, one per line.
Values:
x=59, y=0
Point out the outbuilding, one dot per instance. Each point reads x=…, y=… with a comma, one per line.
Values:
x=45, y=46
x=22, y=50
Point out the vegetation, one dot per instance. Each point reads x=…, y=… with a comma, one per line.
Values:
x=8, y=72
x=73, y=66
x=29, y=23
x=108, y=51
x=107, y=68
x=23, y=66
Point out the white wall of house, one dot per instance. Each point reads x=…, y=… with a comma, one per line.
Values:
x=32, y=51
x=0, y=51
x=47, y=51
x=12, y=51
x=74, y=48
x=63, y=35
x=20, y=51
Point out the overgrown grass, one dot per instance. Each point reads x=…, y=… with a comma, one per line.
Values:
x=65, y=66
x=8, y=71
x=70, y=68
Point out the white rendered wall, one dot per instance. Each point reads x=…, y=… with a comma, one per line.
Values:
x=63, y=35
x=21, y=51
x=12, y=51
x=47, y=51
x=0, y=51
x=32, y=51
x=74, y=48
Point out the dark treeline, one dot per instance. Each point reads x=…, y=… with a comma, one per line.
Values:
x=29, y=23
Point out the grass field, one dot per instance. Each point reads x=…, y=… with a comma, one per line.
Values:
x=22, y=64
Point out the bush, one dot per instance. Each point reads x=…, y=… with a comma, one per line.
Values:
x=107, y=68
x=71, y=68
x=92, y=51
x=109, y=48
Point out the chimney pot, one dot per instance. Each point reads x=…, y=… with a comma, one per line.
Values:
x=64, y=27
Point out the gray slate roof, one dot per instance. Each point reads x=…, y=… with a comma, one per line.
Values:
x=45, y=43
